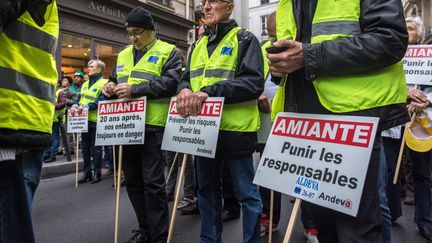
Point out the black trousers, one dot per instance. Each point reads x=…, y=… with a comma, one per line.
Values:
x=336, y=227
x=145, y=184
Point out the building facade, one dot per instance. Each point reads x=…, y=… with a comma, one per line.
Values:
x=92, y=29
x=259, y=10
x=422, y=8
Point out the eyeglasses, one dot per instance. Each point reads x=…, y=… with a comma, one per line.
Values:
x=212, y=2
x=135, y=34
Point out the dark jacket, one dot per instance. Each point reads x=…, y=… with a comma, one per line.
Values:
x=382, y=42
x=165, y=87
x=10, y=10
x=248, y=84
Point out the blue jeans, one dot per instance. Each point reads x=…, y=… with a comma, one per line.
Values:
x=32, y=166
x=210, y=196
x=55, y=139
x=382, y=193
x=15, y=217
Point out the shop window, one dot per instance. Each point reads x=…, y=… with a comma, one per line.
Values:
x=108, y=54
x=75, y=54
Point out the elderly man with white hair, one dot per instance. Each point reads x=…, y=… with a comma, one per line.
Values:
x=226, y=62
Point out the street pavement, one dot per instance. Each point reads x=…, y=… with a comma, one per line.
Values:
x=65, y=214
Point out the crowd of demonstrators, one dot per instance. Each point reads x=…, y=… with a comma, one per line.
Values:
x=349, y=68
x=323, y=68
x=27, y=94
x=136, y=76
x=240, y=83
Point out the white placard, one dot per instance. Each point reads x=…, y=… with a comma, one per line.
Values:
x=417, y=64
x=121, y=122
x=322, y=159
x=195, y=135
x=77, y=123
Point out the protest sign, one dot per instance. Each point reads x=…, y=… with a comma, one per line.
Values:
x=196, y=135
x=417, y=64
x=121, y=122
x=77, y=123
x=322, y=159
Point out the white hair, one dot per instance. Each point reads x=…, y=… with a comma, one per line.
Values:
x=419, y=24
x=100, y=64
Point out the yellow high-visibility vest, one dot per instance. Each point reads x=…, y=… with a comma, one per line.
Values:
x=61, y=112
x=205, y=71
x=148, y=68
x=91, y=94
x=28, y=73
x=335, y=20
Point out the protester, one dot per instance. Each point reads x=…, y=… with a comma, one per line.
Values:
x=72, y=94
x=149, y=67
x=226, y=62
x=419, y=99
x=91, y=95
x=60, y=107
x=349, y=65
x=30, y=28
x=77, y=82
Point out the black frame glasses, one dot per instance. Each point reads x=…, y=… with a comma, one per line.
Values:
x=135, y=34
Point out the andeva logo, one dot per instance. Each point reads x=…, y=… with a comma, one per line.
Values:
x=346, y=203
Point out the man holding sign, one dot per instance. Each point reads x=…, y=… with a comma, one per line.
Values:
x=349, y=65
x=149, y=67
x=226, y=62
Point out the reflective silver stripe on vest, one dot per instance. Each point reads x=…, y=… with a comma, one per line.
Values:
x=31, y=36
x=196, y=73
x=123, y=79
x=89, y=98
x=344, y=27
x=16, y=81
x=219, y=73
x=143, y=75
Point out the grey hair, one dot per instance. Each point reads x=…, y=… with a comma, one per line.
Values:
x=100, y=64
x=419, y=24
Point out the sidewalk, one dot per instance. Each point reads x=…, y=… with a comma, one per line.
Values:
x=61, y=166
